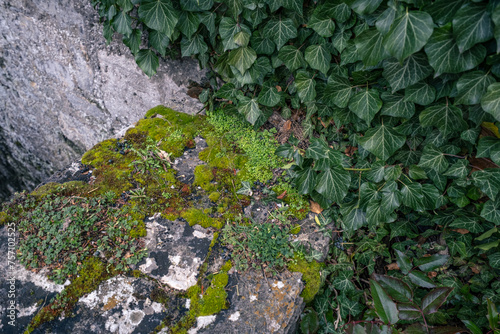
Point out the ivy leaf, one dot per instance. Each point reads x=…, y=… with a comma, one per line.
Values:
x=250, y=108
x=434, y=299
x=242, y=58
x=471, y=87
x=188, y=23
x=241, y=38
x=338, y=91
x=280, y=30
x=122, y=23
x=370, y=48
x=445, y=57
x=421, y=279
x=339, y=10
x=133, y=41
x=193, y=46
x=494, y=260
x=291, y=57
x=333, y=183
x=353, y=220
x=491, y=211
x=433, y=199
x=443, y=11
x=396, y=106
x=459, y=169
x=159, y=41
x=403, y=262
x=433, y=158
x=309, y=323
x=294, y=5
x=420, y=93
x=269, y=95
x=488, y=180
x=396, y=288
x=159, y=15
x=343, y=281
x=262, y=45
x=362, y=7
x=471, y=25
x=491, y=100
x=322, y=23
x=366, y=104
x=412, y=196
x=486, y=146
x=340, y=39
x=125, y=5
x=414, y=68
x=305, y=85
x=255, y=16
x=384, y=306
x=196, y=5
x=306, y=181
x=408, y=34
x=318, y=57
x=147, y=61
x=234, y=7
x=469, y=223
x=431, y=262
x=446, y=117
x=382, y=141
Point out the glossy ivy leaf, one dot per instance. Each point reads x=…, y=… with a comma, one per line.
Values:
x=491, y=211
x=433, y=199
x=396, y=288
x=362, y=7
x=445, y=57
x=291, y=57
x=228, y=91
x=227, y=29
x=420, y=93
x=269, y=95
x=159, y=41
x=306, y=86
x=306, y=181
x=432, y=262
x=147, y=61
x=403, y=262
x=242, y=58
x=339, y=10
x=459, y=169
x=411, y=195
x=366, y=104
x=408, y=34
x=385, y=20
x=340, y=39
x=434, y=299
x=125, y=5
x=471, y=86
x=471, y=224
x=241, y=38
x=382, y=141
x=188, y=23
x=122, y=23
x=309, y=323
x=262, y=45
x=433, y=158
x=343, y=281
x=412, y=70
x=338, y=91
x=447, y=118
x=133, y=41
x=488, y=180
x=471, y=25
x=333, y=183
x=321, y=22
x=442, y=11
x=396, y=106
x=494, y=260
x=193, y=46
x=421, y=279
x=409, y=311
x=250, y=108
x=294, y=5
x=159, y=15
x=353, y=220
x=196, y=5
x=318, y=57
x=280, y=30
x=491, y=100
x=384, y=306
x=234, y=7
x=370, y=48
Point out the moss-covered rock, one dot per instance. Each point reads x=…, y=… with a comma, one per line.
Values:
x=310, y=275
x=196, y=216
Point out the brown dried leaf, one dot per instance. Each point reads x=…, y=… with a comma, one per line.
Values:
x=279, y=89
x=287, y=126
x=283, y=194
x=432, y=274
x=316, y=208
x=392, y=266
x=461, y=230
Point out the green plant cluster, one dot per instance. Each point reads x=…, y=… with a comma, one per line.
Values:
x=59, y=233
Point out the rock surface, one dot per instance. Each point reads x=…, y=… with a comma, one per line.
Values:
x=63, y=90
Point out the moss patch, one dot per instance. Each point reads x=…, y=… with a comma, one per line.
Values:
x=310, y=275
x=214, y=197
x=203, y=175
x=196, y=216
x=4, y=218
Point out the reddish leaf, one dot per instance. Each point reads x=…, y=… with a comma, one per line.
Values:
x=396, y=288
x=434, y=299
x=408, y=311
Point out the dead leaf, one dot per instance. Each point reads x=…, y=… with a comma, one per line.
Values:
x=316, y=208
x=349, y=151
x=475, y=270
x=279, y=89
x=392, y=266
x=461, y=230
x=283, y=194
x=432, y=274
x=287, y=126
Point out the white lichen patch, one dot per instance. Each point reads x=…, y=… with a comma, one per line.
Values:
x=182, y=274
x=27, y=311
x=235, y=316
x=149, y=266
x=116, y=290
x=279, y=285
x=188, y=303
x=202, y=322
x=253, y=298
x=200, y=235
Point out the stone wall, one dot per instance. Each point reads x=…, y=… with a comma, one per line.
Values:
x=62, y=89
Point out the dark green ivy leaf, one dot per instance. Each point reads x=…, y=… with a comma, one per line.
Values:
x=333, y=183
x=133, y=41
x=442, y=11
x=433, y=158
x=305, y=86
x=413, y=69
x=491, y=211
x=242, y=58
x=321, y=22
x=491, y=100
x=382, y=141
x=280, y=30
x=147, y=61
x=122, y=23
x=396, y=106
x=196, y=5
x=262, y=45
x=159, y=15
x=159, y=41
x=471, y=25
x=318, y=57
x=370, y=48
x=420, y=93
x=193, y=46
x=291, y=57
x=447, y=118
x=338, y=91
x=471, y=86
x=269, y=95
x=364, y=6
x=306, y=181
x=366, y=104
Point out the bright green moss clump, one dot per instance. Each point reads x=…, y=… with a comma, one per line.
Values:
x=310, y=275
x=195, y=216
x=203, y=176
x=4, y=218
x=214, y=196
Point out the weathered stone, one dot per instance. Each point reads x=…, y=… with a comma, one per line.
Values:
x=63, y=90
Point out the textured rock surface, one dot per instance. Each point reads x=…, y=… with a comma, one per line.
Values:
x=63, y=90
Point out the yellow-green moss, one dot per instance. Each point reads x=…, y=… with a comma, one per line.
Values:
x=214, y=197
x=203, y=176
x=310, y=275
x=138, y=231
x=214, y=299
x=227, y=266
x=4, y=218
x=196, y=216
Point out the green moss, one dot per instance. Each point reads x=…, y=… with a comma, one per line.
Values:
x=214, y=197
x=214, y=299
x=4, y=218
x=71, y=188
x=203, y=176
x=138, y=231
x=196, y=216
x=310, y=275
x=227, y=266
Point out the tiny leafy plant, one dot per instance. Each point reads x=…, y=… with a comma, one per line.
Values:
x=59, y=233
x=150, y=157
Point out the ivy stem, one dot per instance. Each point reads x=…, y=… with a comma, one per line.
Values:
x=408, y=178
x=358, y=169
x=455, y=156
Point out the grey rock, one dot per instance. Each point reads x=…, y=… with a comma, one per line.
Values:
x=62, y=89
